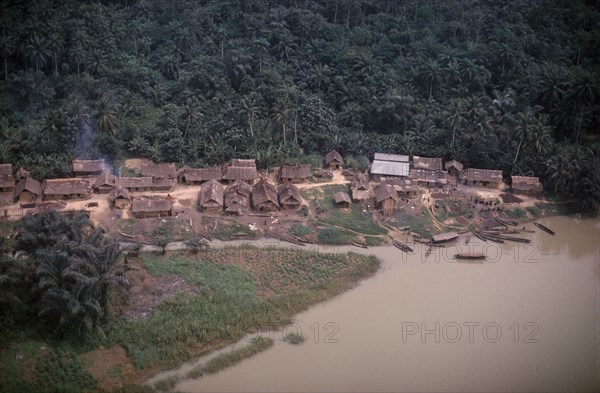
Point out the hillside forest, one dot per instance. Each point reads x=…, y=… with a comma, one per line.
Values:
x=512, y=85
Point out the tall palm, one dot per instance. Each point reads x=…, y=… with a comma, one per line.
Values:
x=541, y=136
x=37, y=52
x=249, y=110
x=7, y=48
x=454, y=114
x=105, y=113
x=55, y=44
x=523, y=131
x=429, y=74
x=280, y=114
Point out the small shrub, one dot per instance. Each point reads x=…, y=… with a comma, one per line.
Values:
x=294, y=338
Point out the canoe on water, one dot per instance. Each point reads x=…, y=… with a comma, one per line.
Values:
x=544, y=228
x=469, y=255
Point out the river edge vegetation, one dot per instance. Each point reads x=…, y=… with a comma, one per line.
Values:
x=234, y=291
x=494, y=84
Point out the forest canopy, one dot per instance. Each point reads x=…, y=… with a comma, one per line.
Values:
x=512, y=85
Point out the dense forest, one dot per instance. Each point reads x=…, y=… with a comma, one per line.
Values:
x=512, y=85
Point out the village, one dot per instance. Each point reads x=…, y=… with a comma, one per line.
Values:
x=289, y=203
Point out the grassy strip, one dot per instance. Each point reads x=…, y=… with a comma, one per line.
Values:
x=258, y=344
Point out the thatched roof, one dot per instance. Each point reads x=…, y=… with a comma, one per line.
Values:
x=88, y=166
x=341, y=196
x=133, y=182
x=28, y=184
x=163, y=182
x=200, y=174
x=289, y=194
x=240, y=173
x=390, y=168
x=453, y=164
x=6, y=170
x=385, y=191
x=165, y=170
x=526, y=183
x=65, y=187
x=360, y=182
x=243, y=162
x=333, y=157
x=237, y=196
x=390, y=157
x=119, y=193
x=487, y=175
x=143, y=205
x=428, y=176
x=264, y=192
x=105, y=179
x=7, y=182
x=296, y=171
x=429, y=163
x=211, y=193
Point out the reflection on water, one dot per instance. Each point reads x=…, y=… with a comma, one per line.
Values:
x=526, y=320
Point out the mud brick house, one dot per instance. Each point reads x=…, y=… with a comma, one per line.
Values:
x=237, y=197
x=341, y=199
x=386, y=198
x=527, y=184
x=211, y=197
x=197, y=176
x=360, y=188
x=144, y=207
x=120, y=198
x=134, y=184
x=334, y=160
x=84, y=168
x=63, y=189
x=483, y=177
x=265, y=197
x=105, y=183
x=295, y=174
x=164, y=176
x=28, y=190
x=240, y=169
x=289, y=196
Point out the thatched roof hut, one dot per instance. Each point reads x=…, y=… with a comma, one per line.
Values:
x=264, y=196
x=199, y=175
x=237, y=197
x=28, y=190
x=289, y=196
x=342, y=199
x=334, y=160
x=88, y=167
x=211, y=196
x=295, y=174
x=143, y=207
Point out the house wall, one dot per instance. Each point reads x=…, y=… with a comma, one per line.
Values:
x=342, y=204
x=163, y=213
x=335, y=165
x=211, y=209
x=27, y=197
x=121, y=203
x=291, y=205
x=104, y=189
x=266, y=207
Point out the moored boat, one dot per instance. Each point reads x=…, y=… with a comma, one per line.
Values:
x=544, y=228
x=469, y=255
x=402, y=246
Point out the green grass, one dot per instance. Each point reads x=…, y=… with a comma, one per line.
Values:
x=231, y=230
x=294, y=338
x=301, y=230
x=518, y=212
x=227, y=359
x=534, y=211
x=50, y=370
x=423, y=226
x=167, y=384
x=334, y=236
x=449, y=208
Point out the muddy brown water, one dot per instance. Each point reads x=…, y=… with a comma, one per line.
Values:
x=526, y=319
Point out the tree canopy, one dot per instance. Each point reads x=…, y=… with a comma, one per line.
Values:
x=495, y=84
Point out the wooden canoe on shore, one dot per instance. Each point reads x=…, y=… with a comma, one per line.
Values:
x=490, y=237
x=359, y=245
x=469, y=255
x=506, y=222
x=479, y=236
x=544, y=228
x=402, y=246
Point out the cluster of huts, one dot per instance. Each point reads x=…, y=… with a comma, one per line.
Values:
x=236, y=187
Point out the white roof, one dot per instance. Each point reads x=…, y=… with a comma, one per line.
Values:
x=390, y=168
x=391, y=157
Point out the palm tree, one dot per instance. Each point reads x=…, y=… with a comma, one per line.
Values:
x=541, y=136
x=454, y=114
x=280, y=114
x=105, y=113
x=523, y=131
x=37, y=51
x=190, y=114
x=7, y=48
x=429, y=74
x=249, y=110
x=55, y=45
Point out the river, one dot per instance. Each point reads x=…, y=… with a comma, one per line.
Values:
x=526, y=319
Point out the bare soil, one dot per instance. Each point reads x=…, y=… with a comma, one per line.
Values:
x=108, y=366
x=147, y=291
